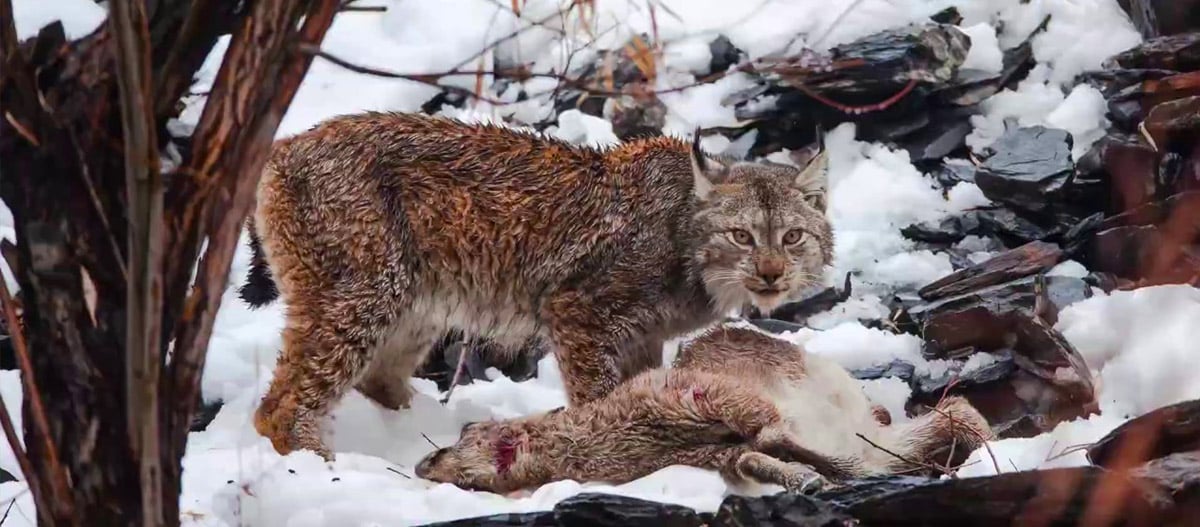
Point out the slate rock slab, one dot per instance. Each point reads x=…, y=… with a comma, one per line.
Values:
x=779, y=510
x=1155, y=434
x=1028, y=168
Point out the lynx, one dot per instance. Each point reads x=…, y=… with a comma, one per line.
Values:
x=383, y=230
x=748, y=405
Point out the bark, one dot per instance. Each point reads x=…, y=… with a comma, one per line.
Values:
x=105, y=430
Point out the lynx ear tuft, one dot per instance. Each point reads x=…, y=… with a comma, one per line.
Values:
x=706, y=172
x=813, y=179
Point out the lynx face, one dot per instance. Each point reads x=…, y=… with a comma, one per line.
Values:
x=763, y=231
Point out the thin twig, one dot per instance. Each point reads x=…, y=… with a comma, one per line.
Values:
x=7, y=510
x=900, y=457
x=977, y=435
x=430, y=441
x=58, y=475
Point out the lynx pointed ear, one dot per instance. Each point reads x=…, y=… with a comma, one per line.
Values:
x=814, y=181
x=704, y=169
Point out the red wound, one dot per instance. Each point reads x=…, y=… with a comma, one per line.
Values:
x=505, y=453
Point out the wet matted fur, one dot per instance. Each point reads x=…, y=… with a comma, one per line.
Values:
x=383, y=230
x=738, y=401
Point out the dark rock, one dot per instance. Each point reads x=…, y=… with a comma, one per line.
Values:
x=724, y=54
x=865, y=489
x=1126, y=114
x=929, y=53
x=6, y=476
x=776, y=326
x=1048, y=355
x=1155, y=434
x=633, y=119
x=949, y=230
x=1017, y=62
x=1028, y=168
x=1075, y=240
x=1178, y=475
x=1131, y=164
x=1050, y=383
x=950, y=174
x=996, y=371
x=1060, y=496
x=8, y=355
x=1155, y=18
x=1112, y=81
x=1153, y=213
x=1157, y=254
x=818, y=302
x=444, y=98
x=1124, y=251
x=1175, y=52
x=482, y=354
x=897, y=368
x=880, y=82
x=1174, y=124
x=1157, y=91
x=1009, y=226
x=944, y=132
x=948, y=15
x=785, y=509
x=529, y=519
x=620, y=511
x=204, y=415
x=1023, y=261
x=985, y=318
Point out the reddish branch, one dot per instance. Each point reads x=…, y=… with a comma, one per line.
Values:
x=258, y=78
x=431, y=79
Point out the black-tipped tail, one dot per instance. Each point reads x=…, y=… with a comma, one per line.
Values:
x=260, y=287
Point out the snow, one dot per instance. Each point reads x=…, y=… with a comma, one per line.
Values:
x=1133, y=341
x=1081, y=34
x=985, y=54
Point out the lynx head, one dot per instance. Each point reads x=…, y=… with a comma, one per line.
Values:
x=762, y=229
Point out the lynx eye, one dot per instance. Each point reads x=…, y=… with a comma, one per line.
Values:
x=793, y=236
x=743, y=237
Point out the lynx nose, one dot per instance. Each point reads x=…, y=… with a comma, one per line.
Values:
x=770, y=270
x=770, y=276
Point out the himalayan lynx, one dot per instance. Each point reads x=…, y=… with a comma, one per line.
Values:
x=383, y=230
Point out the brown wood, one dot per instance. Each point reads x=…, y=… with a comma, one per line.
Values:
x=104, y=282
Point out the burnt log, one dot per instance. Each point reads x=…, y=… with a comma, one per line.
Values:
x=1062, y=496
x=1158, y=433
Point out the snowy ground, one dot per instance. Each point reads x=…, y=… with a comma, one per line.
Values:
x=1133, y=341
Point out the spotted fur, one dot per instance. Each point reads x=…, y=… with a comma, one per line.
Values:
x=384, y=230
x=738, y=401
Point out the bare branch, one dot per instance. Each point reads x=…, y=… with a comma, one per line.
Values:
x=59, y=491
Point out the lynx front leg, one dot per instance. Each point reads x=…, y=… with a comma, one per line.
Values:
x=325, y=352
x=796, y=477
x=590, y=333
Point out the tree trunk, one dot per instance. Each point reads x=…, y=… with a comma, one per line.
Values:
x=106, y=242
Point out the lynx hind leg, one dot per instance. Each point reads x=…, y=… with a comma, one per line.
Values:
x=796, y=477
x=327, y=346
x=952, y=426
